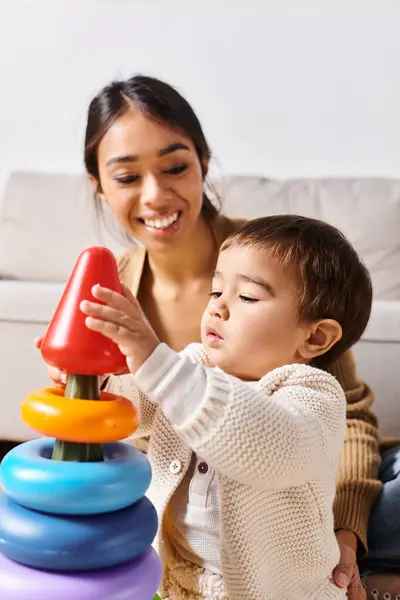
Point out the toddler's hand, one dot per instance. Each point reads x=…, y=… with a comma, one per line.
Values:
x=121, y=320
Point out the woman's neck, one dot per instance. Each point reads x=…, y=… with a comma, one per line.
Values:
x=193, y=260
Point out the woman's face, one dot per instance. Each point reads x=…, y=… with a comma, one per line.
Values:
x=151, y=177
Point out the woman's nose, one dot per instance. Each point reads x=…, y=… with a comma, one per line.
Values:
x=152, y=191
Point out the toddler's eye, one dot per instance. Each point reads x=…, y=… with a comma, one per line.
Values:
x=215, y=294
x=247, y=299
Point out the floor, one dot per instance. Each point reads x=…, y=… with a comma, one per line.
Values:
x=6, y=447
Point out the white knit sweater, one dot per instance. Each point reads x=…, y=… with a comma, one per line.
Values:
x=275, y=445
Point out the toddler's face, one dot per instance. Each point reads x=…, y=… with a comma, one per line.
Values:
x=251, y=324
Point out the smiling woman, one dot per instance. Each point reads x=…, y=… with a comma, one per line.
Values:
x=147, y=156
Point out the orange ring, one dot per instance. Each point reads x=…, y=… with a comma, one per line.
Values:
x=110, y=419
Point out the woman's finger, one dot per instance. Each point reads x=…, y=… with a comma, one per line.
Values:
x=343, y=573
x=59, y=377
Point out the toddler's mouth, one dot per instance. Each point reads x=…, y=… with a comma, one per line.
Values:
x=213, y=337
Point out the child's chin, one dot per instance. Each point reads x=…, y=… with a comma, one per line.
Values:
x=216, y=356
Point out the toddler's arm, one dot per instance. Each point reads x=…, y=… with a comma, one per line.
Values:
x=282, y=432
x=124, y=385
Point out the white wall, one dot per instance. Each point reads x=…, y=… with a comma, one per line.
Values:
x=283, y=87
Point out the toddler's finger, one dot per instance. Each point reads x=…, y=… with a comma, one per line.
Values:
x=107, y=313
x=129, y=296
x=124, y=302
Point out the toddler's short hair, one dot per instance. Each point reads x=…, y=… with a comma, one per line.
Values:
x=333, y=281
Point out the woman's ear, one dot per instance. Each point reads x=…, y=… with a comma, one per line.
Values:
x=322, y=335
x=95, y=183
x=205, y=163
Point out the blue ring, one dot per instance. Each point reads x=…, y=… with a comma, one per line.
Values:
x=30, y=478
x=72, y=543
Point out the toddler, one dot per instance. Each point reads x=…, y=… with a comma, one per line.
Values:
x=246, y=429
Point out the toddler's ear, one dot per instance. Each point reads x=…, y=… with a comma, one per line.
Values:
x=322, y=335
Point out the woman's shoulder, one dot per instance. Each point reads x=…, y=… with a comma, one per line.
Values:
x=130, y=266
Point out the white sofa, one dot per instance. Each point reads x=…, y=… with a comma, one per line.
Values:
x=46, y=219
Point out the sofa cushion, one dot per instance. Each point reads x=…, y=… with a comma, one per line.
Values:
x=384, y=324
x=28, y=301
x=46, y=220
x=366, y=210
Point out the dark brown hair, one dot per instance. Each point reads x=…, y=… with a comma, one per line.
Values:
x=160, y=102
x=333, y=282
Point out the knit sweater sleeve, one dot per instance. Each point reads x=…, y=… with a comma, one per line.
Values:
x=280, y=433
x=124, y=385
x=358, y=484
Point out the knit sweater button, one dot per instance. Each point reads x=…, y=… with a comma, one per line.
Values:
x=175, y=467
x=203, y=468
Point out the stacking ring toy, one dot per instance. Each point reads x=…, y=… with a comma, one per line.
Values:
x=110, y=419
x=75, y=523
x=32, y=479
x=75, y=543
x=137, y=579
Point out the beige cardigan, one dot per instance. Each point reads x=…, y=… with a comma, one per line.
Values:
x=275, y=446
x=357, y=484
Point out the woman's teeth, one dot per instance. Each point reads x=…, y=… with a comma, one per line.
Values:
x=161, y=223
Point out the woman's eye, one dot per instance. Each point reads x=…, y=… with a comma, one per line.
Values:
x=176, y=170
x=215, y=294
x=247, y=299
x=127, y=179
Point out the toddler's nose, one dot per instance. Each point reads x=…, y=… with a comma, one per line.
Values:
x=218, y=309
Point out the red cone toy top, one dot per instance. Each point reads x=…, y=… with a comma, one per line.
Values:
x=68, y=344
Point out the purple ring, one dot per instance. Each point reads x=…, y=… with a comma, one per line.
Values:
x=137, y=580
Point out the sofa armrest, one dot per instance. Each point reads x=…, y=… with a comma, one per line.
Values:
x=28, y=301
x=384, y=324
x=378, y=358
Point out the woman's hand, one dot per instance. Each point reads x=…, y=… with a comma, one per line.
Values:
x=120, y=319
x=58, y=377
x=346, y=574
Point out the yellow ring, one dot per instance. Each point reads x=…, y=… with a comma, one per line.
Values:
x=110, y=419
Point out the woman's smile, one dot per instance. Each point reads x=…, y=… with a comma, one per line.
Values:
x=162, y=224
